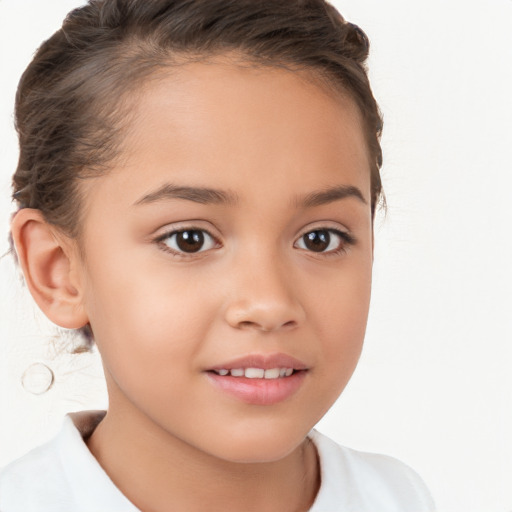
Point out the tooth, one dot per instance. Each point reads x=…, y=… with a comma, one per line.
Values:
x=282, y=372
x=254, y=373
x=289, y=371
x=272, y=374
x=237, y=372
x=223, y=372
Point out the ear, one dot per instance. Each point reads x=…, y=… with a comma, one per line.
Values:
x=49, y=263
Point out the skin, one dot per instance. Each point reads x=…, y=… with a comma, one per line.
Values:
x=266, y=137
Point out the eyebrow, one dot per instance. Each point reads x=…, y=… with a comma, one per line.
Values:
x=196, y=194
x=329, y=195
x=204, y=195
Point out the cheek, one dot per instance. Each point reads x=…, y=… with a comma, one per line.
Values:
x=148, y=331
x=342, y=313
x=145, y=315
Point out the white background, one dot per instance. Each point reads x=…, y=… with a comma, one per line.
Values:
x=434, y=385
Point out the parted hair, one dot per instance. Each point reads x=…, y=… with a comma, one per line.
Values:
x=73, y=99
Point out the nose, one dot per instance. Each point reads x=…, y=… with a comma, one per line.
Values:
x=265, y=300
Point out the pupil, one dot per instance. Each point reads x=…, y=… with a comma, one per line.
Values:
x=190, y=241
x=317, y=241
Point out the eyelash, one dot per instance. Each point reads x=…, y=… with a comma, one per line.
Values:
x=346, y=240
x=183, y=254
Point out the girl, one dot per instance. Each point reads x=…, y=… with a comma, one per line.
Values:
x=197, y=185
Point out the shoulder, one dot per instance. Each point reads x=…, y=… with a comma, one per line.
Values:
x=34, y=482
x=59, y=475
x=365, y=482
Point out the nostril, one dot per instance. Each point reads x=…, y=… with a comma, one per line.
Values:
x=246, y=324
x=264, y=315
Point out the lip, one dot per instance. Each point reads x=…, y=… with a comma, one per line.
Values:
x=264, y=361
x=259, y=391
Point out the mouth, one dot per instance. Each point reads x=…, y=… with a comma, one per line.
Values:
x=256, y=373
x=259, y=379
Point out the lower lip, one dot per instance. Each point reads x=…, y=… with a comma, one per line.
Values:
x=259, y=391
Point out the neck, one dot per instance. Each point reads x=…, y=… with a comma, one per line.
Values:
x=169, y=470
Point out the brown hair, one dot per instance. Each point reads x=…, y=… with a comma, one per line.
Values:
x=69, y=103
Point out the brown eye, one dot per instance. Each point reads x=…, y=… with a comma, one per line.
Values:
x=188, y=241
x=324, y=240
x=317, y=241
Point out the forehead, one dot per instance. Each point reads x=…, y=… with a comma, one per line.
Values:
x=223, y=124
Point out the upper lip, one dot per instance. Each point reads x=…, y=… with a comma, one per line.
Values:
x=263, y=361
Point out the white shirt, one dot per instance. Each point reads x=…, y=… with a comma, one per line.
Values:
x=63, y=476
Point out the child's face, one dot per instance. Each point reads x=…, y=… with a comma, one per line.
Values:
x=240, y=278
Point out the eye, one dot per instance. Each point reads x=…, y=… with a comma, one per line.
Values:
x=324, y=241
x=188, y=241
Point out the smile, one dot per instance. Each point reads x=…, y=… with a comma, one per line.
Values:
x=259, y=379
x=256, y=373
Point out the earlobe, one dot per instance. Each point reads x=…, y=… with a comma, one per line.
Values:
x=47, y=264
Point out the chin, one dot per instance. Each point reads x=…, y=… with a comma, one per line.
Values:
x=259, y=447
